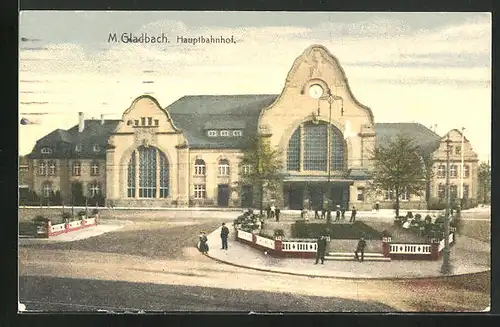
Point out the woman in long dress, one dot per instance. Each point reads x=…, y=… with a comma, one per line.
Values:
x=203, y=247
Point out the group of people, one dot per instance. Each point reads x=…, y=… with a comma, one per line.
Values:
x=203, y=245
x=339, y=213
x=273, y=212
x=359, y=253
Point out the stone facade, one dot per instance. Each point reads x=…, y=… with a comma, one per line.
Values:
x=160, y=153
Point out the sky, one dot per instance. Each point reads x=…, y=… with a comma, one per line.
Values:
x=431, y=68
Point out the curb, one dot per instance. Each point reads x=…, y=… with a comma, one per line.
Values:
x=342, y=278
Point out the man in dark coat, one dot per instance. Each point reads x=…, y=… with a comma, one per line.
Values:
x=277, y=213
x=337, y=213
x=342, y=213
x=320, y=252
x=323, y=212
x=353, y=215
x=360, y=249
x=224, y=232
x=316, y=213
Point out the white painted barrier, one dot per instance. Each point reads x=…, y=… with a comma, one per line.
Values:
x=245, y=236
x=57, y=228
x=90, y=221
x=265, y=242
x=76, y=223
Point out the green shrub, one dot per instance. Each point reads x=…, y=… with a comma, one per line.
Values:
x=40, y=219
x=66, y=215
x=335, y=231
x=279, y=232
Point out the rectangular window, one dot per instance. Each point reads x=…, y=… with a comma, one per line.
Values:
x=458, y=150
x=143, y=121
x=453, y=171
x=46, y=150
x=466, y=171
x=224, y=133
x=466, y=191
x=47, y=190
x=360, y=193
x=150, y=121
x=441, y=192
x=389, y=195
x=405, y=196
x=136, y=122
x=157, y=122
x=94, y=169
x=42, y=168
x=77, y=169
x=212, y=133
x=453, y=191
x=97, y=148
x=78, y=148
x=247, y=169
x=52, y=168
x=199, y=191
x=441, y=171
x=237, y=133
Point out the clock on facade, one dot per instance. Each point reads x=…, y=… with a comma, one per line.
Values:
x=315, y=91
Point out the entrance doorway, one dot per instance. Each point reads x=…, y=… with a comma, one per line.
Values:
x=223, y=195
x=247, y=196
x=295, y=197
x=316, y=196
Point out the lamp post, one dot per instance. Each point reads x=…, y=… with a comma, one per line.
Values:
x=462, y=172
x=446, y=267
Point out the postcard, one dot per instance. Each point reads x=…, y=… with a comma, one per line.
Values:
x=220, y=161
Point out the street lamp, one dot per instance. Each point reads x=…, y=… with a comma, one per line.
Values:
x=446, y=267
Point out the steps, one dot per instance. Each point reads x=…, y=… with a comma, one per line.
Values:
x=342, y=256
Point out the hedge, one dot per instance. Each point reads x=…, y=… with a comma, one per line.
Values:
x=335, y=231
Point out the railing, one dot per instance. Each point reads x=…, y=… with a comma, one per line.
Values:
x=265, y=242
x=410, y=249
x=90, y=221
x=245, y=235
x=299, y=247
x=76, y=223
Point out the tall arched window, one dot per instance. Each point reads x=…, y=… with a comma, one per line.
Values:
x=150, y=165
x=199, y=167
x=309, y=146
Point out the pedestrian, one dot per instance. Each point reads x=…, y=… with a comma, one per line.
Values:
x=203, y=247
x=273, y=211
x=377, y=206
x=316, y=213
x=323, y=212
x=268, y=211
x=224, y=232
x=277, y=213
x=342, y=213
x=321, y=249
x=337, y=215
x=353, y=214
x=360, y=249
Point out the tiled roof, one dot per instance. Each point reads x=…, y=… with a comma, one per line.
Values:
x=196, y=114
x=426, y=139
x=63, y=142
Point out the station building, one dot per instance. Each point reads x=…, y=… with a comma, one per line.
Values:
x=188, y=153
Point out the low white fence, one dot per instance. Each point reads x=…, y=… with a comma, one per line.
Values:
x=410, y=249
x=245, y=236
x=90, y=221
x=76, y=223
x=299, y=246
x=57, y=228
x=265, y=242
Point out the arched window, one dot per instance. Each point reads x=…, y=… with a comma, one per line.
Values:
x=42, y=168
x=223, y=167
x=77, y=168
x=199, y=167
x=312, y=148
x=151, y=166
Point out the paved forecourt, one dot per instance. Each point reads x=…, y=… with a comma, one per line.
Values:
x=468, y=256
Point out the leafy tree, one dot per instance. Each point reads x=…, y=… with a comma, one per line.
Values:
x=484, y=180
x=399, y=166
x=261, y=166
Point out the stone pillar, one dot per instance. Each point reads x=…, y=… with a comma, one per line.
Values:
x=183, y=180
x=48, y=231
x=278, y=245
x=386, y=246
x=434, y=249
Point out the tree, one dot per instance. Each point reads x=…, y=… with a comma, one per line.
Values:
x=428, y=161
x=399, y=166
x=261, y=166
x=484, y=180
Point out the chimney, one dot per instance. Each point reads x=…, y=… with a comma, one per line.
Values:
x=81, y=122
x=102, y=119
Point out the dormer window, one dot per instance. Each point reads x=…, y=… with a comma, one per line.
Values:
x=97, y=148
x=78, y=148
x=212, y=133
x=150, y=121
x=46, y=150
x=237, y=133
x=157, y=122
x=224, y=133
x=136, y=122
x=143, y=121
x=130, y=122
